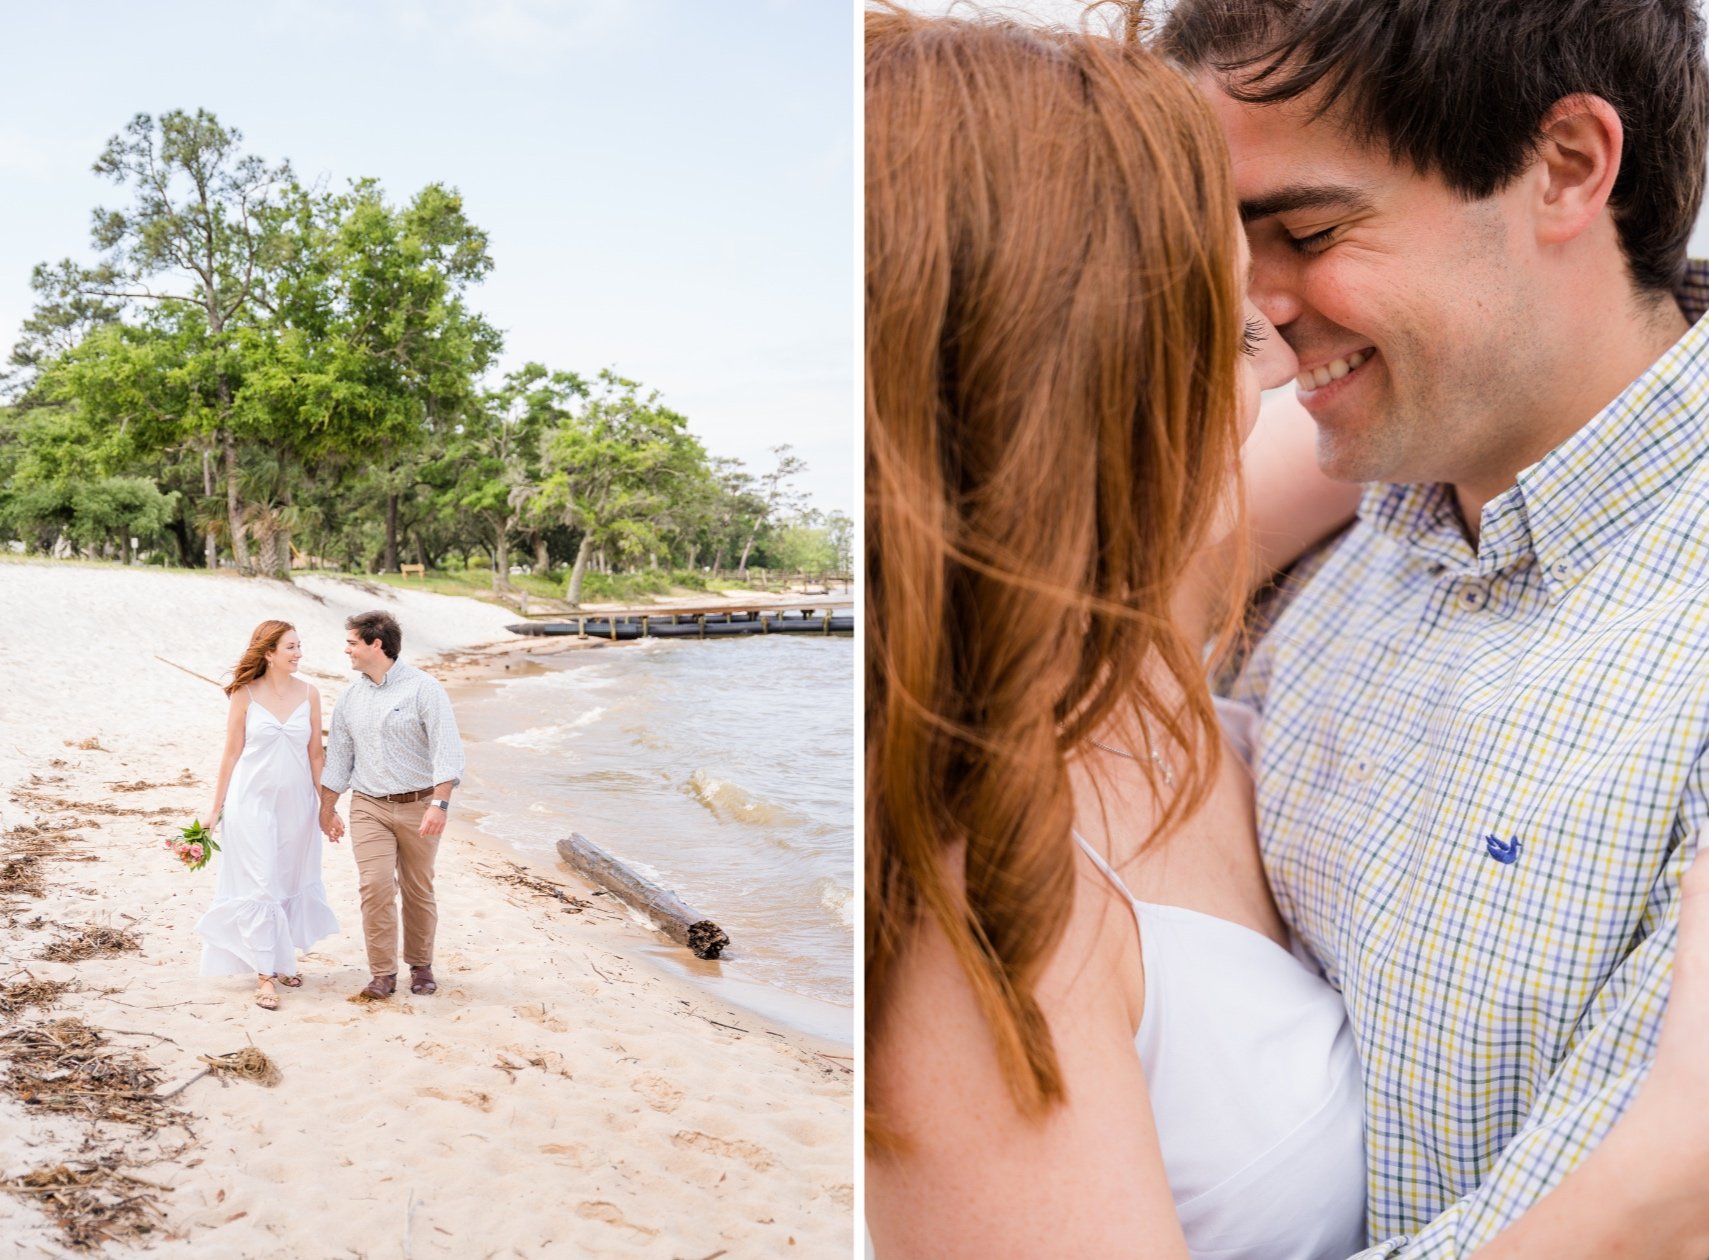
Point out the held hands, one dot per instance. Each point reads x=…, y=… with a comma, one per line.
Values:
x=332, y=825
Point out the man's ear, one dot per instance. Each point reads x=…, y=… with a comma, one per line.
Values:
x=1578, y=158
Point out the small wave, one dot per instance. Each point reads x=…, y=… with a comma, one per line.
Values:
x=731, y=803
x=835, y=898
x=538, y=738
x=551, y=738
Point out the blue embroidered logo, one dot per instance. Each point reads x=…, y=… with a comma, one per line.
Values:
x=1501, y=851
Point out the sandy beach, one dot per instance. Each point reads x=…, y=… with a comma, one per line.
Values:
x=560, y=1096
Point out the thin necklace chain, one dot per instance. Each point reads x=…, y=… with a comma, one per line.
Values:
x=1157, y=759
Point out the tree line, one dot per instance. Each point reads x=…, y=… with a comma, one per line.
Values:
x=256, y=371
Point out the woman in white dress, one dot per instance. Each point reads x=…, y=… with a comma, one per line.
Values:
x=269, y=902
x=1086, y=1033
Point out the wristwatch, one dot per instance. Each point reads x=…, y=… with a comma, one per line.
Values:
x=439, y=804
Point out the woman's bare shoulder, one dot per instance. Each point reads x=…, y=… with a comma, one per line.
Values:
x=976, y=1173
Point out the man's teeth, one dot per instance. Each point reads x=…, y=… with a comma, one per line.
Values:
x=1318, y=377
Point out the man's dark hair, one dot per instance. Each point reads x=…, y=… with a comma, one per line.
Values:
x=370, y=626
x=1459, y=88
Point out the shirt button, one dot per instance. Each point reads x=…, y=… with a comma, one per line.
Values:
x=1561, y=570
x=1474, y=597
x=1362, y=769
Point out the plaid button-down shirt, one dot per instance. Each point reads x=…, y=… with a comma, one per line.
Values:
x=396, y=735
x=1482, y=772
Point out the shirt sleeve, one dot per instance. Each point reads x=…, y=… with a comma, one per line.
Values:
x=340, y=753
x=444, y=744
x=1579, y=1102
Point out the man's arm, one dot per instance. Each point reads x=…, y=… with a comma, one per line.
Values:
x=444, y=745
x=335, y=778
x=444, y=749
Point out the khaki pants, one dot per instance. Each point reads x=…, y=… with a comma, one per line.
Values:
x=392, y=857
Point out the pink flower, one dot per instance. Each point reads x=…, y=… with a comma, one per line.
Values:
x=196, y=852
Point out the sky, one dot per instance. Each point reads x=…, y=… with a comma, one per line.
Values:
x=668, y=187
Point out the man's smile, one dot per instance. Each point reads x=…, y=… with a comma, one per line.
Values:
x=1315, y=378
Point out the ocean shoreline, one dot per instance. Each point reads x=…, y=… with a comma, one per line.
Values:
x=562, y=1094
x=828, y=1023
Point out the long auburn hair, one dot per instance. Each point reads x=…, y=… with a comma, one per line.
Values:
x=253, y=663
x=1053, y=324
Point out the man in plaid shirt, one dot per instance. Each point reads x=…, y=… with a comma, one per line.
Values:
x=1484, y=761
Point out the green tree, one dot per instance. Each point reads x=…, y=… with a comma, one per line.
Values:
x=612, y=469
x=114, y=509
x=496, y=456
x=375, y=355
x=800, y=546
x=839, y=532
x=773, y=496
x=198, y=235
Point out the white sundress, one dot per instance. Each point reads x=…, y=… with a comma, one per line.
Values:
x=269, y=901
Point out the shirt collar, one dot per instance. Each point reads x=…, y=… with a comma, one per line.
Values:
x=393, y=671
x=1570, y=507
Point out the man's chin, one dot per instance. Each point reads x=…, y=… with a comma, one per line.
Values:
x=1343, y=457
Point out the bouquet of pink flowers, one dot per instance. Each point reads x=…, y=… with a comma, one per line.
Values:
x=193, y=846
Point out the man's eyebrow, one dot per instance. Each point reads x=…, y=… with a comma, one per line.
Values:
x=1305, y=197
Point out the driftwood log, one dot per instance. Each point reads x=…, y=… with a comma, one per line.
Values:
x=683, y=925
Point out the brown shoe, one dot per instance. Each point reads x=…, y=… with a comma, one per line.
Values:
x=381, y=987
x=421, y=980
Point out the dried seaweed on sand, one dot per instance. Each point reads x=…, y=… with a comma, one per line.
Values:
x=21, y=874
x=92, y=1203
x=92, y=941
x=67, y=1066
x=16, y=995
x=247, y=1064
x=65, y=805
x=519, y=877
x=185, y=779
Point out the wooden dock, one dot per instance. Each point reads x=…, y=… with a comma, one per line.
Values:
x=808, y=615
x=806, y=604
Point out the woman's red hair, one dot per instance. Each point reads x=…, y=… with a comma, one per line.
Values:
x=253, y=663
x=1053, y=323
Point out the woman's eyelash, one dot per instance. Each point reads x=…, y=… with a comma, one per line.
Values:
x=1254, y=336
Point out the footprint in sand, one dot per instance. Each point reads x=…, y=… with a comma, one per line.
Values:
x=598, y=1210
x=660, y=1094
x=576, y=1153
x=541, y=1014
x=842, y=1196
x=468, y=1097
x=756, y=1157
x=433, y=1051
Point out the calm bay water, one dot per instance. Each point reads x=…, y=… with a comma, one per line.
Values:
x=723, y=770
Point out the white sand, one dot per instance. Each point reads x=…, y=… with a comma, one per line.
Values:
x=560, y=1096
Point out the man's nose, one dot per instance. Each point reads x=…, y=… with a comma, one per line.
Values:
x=1275, y=290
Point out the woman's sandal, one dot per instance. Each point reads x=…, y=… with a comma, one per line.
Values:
x=266, y=999
x=290, y=982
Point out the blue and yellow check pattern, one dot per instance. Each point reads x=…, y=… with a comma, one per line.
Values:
x=1550, y=686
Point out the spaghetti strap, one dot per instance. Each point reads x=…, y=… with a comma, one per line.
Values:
x=1105, y=867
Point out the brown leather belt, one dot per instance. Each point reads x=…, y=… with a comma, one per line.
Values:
x=401, y=798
